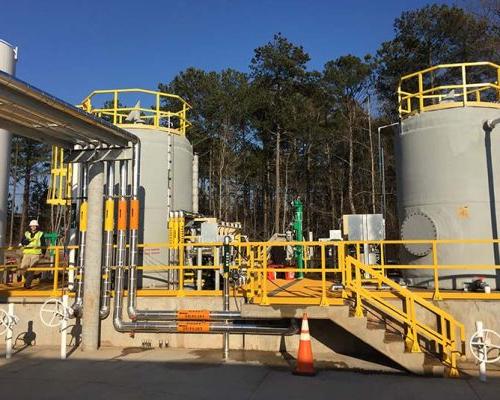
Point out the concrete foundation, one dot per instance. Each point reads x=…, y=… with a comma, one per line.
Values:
x=326, y=335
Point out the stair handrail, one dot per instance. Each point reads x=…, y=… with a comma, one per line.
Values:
x=445, y=335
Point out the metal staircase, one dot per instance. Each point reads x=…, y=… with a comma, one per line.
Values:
x=424, y=327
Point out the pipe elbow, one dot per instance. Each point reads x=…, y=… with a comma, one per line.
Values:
x=104, y=312
x=118, y=324
x=491, y=123
x=132, y=312
x=77, y=308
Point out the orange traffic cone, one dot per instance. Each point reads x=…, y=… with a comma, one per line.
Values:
x=305, y=362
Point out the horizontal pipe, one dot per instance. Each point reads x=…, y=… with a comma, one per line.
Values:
x=191, y=315
x=212, y=327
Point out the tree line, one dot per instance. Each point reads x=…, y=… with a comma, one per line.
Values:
x=280, y=130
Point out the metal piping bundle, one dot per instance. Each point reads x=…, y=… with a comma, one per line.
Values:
x=78, y=303
x=169, y=321
x=109, y=225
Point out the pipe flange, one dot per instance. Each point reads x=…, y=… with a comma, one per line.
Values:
x=418, y=226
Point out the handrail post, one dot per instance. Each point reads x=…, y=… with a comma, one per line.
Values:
x=180, y=289
x=324, y=299
x=444, y=334
x=498, y=84
x=464, y=85
x=453, y=351
x=251, y=272
x=382, y=263
x=156, y=120
x=437, y=294
x=358, y=313
x=264, y=299
x=115, y=106
x=420, y=94
x=400, y=105
x=415, y=347
x=56, y=269
x=341, y=262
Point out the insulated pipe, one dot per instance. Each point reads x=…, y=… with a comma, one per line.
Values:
x=78, y=303
x=122, y=218
x=185, y=326
x=226, y=262
x=491, y=123
x=134, y=229
x=195, y=184
x=109, y=221
x=153, y=315
x=146, y=316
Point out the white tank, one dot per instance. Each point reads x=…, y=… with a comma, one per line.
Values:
x=8, y=59
x=448, y=176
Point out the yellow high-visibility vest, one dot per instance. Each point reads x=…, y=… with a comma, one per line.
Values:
x=35, y=243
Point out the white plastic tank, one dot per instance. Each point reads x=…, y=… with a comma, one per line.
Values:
x=8, y=59
x=448, y=180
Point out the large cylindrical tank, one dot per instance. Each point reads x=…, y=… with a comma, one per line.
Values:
x=165, y=184
x=448, y=176
x=8, y=59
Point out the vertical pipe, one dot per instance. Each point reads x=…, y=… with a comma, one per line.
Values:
x=195, y=184
x=93, y=258
x=226, y=259
x=8, y=58
x=122, y=229
x=74, y=235
x=9, y=332
x=64, y=328
x=134, y=231
x=482, y=352
x=217, y=271
x=82, y=220
x=199, y=272
x=109, y=221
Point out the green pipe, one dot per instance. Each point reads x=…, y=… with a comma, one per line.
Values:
x=299, y=236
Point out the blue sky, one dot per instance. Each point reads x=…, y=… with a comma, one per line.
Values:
x=70, y=48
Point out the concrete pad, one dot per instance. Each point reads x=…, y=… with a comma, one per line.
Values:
x=135, y=373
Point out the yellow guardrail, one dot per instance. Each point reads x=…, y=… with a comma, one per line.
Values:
x=475, y=84
x=324, y=268
x=59, y=192
x=156, y=117
x=444, y=337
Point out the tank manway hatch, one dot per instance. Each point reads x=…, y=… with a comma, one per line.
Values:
x=448, y=173
x=418, y=226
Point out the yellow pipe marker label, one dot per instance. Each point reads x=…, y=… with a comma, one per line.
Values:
x=83, y=216
x=109, y=218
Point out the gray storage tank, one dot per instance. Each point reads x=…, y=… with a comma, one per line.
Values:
x=448, y=180
x=166, y=165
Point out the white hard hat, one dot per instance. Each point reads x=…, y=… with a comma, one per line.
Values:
x=34, y=222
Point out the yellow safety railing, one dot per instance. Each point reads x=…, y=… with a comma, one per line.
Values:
x=156, y=117
x=326, y=268
x=475, y=84
x=59, y=192
x=56, y=266
x=448, y=338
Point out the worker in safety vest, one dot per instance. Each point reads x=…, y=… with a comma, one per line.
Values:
x=33, y=244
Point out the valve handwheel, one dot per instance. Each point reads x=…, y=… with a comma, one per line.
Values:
x=485, y=347
x=6, y=321
x=53, y=313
